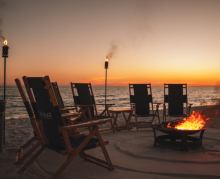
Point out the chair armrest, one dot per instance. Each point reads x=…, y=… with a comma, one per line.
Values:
x=68, y=115
x=67, y=108
x=87, y=124
x=106, y=104
x=80, y=105
x=71, y=106
x=158, y=103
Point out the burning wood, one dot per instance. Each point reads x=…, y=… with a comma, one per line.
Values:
x=196, y=121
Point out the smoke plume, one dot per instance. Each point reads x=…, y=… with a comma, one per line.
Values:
x=112, y=51
x=2, y=4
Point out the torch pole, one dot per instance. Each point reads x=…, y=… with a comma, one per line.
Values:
x=4, y=76
x=105, y=88
x=4, y=98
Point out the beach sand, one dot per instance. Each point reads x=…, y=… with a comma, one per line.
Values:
x=132, y=154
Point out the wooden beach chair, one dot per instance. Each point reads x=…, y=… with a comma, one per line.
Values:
x=84, y=98
x=69, y=118
x=175, y=101
x=57, y=134
x=142, y=103
x=67, y=109
x=22, y=153
x=64, y=109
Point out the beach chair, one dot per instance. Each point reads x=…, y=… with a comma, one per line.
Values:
x=22, y=153
x=64, y=109
x=57, y=134
x=84, y=98
x=175, y=101
x=69, y=118
x=142, y=103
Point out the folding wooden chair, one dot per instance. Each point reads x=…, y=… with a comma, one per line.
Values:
x=22, y=153
x=142, y=103
x=84, y=98
x=67, y=109
x=175, y=101
x=57, y=134
x=64, y=109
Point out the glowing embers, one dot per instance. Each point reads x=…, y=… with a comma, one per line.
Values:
x=196, y=121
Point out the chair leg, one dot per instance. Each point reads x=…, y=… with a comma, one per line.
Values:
x=113, y=128
x=20, y=160
x=111, y=167
x=26, y=144
x=158, y=118
x=136, y=122
x=32, y=159
x=75, y=153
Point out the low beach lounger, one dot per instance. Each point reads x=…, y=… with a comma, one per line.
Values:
x=21, y=153
x=175, y=101
x=142, y=103
x=84, y=98
x=57, y=134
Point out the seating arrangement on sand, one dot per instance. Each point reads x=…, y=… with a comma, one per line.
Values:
x=175, y=101
x=56, y=127
x=59, y=137
x=141, y=102
x=84, y=99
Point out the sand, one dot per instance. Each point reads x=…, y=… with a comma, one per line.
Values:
x=132, y=153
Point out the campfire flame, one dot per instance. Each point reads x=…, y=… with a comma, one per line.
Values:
x=196, y=121
x=5, y=42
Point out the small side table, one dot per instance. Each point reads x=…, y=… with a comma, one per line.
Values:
x=116, y=112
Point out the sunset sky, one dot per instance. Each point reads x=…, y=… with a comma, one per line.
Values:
x=158, y=41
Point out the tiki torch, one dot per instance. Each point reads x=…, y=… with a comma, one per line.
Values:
x=106, y=68
x=5, y=55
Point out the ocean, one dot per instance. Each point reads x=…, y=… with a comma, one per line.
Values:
x=119, y=95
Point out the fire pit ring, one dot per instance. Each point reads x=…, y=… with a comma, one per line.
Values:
x=177, y=138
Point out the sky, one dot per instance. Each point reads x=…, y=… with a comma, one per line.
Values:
x=155, y=41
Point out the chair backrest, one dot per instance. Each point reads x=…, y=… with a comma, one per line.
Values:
x=141, y=95
x=48, y=109
x=176, y=96
x=83, y=95
x=24, y=98
x=29, y=109
x=58, y=94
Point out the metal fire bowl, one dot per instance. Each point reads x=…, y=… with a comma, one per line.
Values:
x=177, y=138
x=172, y=131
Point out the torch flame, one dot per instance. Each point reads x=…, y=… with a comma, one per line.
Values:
x=5, y=42
x=196, y=121
x=106, y=59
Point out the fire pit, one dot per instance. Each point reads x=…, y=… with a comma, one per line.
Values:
x=179, y=131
